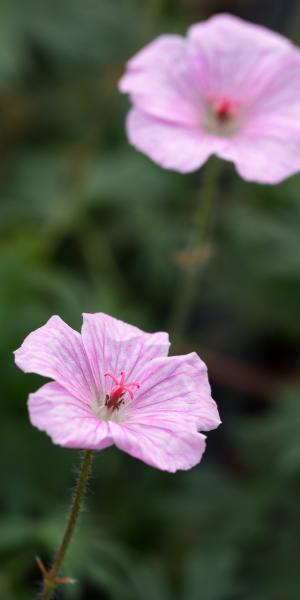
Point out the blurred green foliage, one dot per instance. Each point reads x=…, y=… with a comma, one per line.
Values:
x=87, y=224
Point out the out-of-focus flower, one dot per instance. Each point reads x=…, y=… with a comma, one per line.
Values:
x=230, y=88
x=115, y=384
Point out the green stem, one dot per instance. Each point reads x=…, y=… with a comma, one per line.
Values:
x=196, y=245
x=50, y=582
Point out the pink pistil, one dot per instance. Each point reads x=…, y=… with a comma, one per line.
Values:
x=115, y=398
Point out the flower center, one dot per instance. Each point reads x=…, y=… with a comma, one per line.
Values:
x=115, y=399
x=221, y=117
x=224, y=110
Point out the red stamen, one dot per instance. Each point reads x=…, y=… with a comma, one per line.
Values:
x=115, y=398
x=109, y=374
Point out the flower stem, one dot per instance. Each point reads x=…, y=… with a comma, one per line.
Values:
x=195, y=251
x=51, y=579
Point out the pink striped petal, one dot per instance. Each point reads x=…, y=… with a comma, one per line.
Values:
x=233, y=57
x=56, y=350
x=67, y=420
x=173, y=146
x=113, y=346
x=159, y=446
x=266, y=152
x=167, y=92
x=175, y=390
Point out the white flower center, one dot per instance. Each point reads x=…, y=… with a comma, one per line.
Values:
x=104, y=413
x=221, y=117
x=113, y=407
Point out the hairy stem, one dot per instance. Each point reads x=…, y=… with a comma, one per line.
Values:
x=51, y=579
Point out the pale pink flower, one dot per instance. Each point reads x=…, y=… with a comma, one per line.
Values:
x=230, y=88
x=115, y=384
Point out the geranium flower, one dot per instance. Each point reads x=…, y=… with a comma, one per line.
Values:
x=115, y=384
x=230, y=88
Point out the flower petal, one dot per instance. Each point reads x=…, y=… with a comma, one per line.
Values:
x=278, y=96
x=266, y=154
x=56, y=350
x=175, y=147
x=175, y=390
x=267, y=149
x=233, y=57
x=160, y=81
x=68, y=421
x=112, y=345
x=159, y=446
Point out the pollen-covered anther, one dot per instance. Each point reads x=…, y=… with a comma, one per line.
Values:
x=115, y=398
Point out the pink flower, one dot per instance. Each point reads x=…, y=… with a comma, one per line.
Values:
x=229, y=88
x=115, y=384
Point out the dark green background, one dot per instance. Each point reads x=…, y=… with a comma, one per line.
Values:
x=87, y=224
